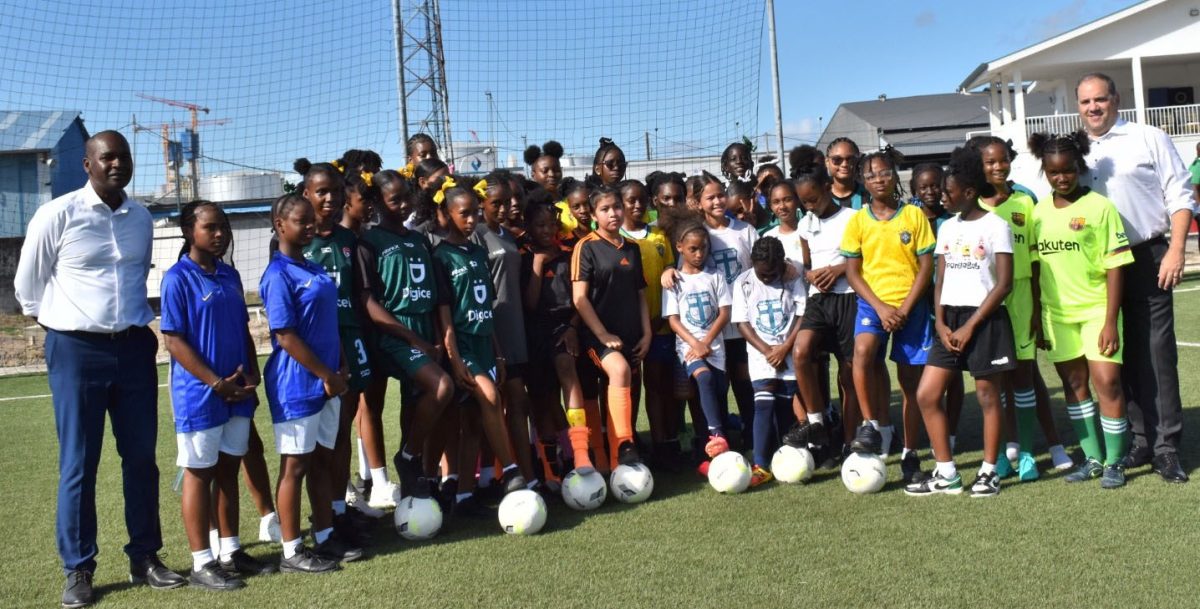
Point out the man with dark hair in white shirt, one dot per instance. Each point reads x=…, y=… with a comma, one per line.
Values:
x=1139, y=169
x=82, y=275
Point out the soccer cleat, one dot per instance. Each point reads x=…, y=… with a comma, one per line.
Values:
x=760, y=476
x=936, y=485
x=866, y=440
x=512, y=481
x=306, y=561
x=1026, y=467
x=715, y=446
x=1088, y=470
x=910, y=468
x=627, y=454
x=212, y=577
x=241, y=563
x=798, y=435
x=1004, y=467
x=268, y=529
x=1113, y=477
x=1058, y=455
x=702, y=468
x=986, y=485
x=358, y=500
x=337, y=549
x=412, y=476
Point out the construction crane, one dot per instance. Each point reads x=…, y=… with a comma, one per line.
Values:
x=163, y=131
x=194, y=109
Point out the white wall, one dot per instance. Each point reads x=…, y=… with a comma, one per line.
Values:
x=251, y=240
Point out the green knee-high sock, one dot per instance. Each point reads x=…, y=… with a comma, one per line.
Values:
x=1086, y=423
x=1116, y=440
x=1026, y=403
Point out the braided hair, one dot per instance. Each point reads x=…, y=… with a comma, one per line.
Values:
x=1075, y=144
x=891, y=157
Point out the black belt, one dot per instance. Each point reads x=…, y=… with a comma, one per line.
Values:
x=103, y=335
x=1159, y=240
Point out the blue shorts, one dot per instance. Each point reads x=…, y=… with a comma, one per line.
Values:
x=662, y=349
x=911, y=343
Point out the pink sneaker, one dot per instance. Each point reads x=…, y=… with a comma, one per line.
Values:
x=716, y=445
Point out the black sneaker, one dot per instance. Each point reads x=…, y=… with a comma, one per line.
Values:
x=867, y=440
x=627, y=454
x=345, y=528
x=150, y=570
x=78, y=592
x=446, y=494
x=363, y=486
x=1113, y=477
x=1090, y=469
x=307, y=561
x=513, y=481
x=818, y=435
x=241, y=563
x=411, y=474
x=798, y=435
x=337, y=549
x=212, y=577
x=986, y=485
x=910, y=468
x=471, y=507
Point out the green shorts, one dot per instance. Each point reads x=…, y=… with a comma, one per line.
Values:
x=477, y=353
x=1019, y=304
x=354, y=349
x=401, y=359
x=1071, y=339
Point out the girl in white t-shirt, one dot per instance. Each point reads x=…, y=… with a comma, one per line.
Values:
x=971, y=324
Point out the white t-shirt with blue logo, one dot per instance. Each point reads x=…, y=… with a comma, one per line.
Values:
x=697, y=299
x=770, y=309
x=729, y=254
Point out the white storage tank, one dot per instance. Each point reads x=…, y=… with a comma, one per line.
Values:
x=241, y=186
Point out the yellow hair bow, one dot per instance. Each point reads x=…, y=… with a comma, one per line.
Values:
x=338, y=166
x=367, y=178
x=406, y=171
x=481, y=189
x=439, y=197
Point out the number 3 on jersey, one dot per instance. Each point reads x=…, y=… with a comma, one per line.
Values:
x=362, y=351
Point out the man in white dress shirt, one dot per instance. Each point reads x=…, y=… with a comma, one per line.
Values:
x=82, y=275
x=1139, y=169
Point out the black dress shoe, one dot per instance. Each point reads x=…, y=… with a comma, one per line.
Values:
x=78, y=590
x=337, y=549
x=212, y=577
x=1168, y=466
x=241, y=563
x=150, y=570
x=1137, y=457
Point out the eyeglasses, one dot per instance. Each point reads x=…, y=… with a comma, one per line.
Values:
x=882, y=175
x=839, y=160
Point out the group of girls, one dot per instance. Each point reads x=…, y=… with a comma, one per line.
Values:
x=499, y=301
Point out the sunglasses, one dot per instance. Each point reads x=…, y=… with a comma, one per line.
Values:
x=840, y=160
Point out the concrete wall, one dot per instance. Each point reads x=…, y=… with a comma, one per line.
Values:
x=10, y=252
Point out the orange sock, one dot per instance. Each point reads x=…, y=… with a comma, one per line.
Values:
x=620, y=409
x=613, y=441
x=591, y=409
x=579, y=445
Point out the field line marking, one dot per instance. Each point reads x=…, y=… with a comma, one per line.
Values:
x=1195, y=289
x=47, y=395
x=1183, y=344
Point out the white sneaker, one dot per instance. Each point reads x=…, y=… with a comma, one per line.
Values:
x=384, y=495
x=1062, y=461
x=356, y=500
x=268, y=529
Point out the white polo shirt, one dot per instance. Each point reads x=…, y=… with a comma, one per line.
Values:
x=1137, y=167
x=83, y=266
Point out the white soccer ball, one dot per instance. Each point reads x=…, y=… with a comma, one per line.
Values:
x=729, y=473
x=522, y=512
x=863, y=473
x=584, y=491
x=631, y=483
x=418, y=519
x=792, y=465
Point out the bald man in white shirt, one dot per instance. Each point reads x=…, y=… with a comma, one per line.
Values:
x=1139, y=169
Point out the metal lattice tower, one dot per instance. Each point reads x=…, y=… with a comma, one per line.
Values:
x=421, y=73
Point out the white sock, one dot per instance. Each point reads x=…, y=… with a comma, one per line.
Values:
x=214, y=540
x=1012, y=451
x=986, y=468
x=508, y=468
x=339, y=508
x=229, y=545
x=378, y=474
x=875, y=423
x=486, y=475
x=449, y=477
x=816, y=417
x=322, y=535
x=201, y=558
x=904, y=453
x=364, y=467
x=946, y=469
x=459, y=498
x=269, y=518
x=291, y=547
x=952, y=439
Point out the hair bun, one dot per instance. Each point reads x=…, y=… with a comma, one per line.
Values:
x=553, y=148
x=532, y=154
x=301, y=166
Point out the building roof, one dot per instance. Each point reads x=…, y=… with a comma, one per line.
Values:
x=943, y=110
x=31, y=131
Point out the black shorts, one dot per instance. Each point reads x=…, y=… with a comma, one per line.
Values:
x=542, y=339
x=991, y=350
x=735, y=352
x=832, y=317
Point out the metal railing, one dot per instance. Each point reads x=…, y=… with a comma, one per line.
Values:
x=1176, y=120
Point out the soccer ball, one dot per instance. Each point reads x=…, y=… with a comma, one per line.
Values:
x=522, y=512
x=792, y=465
x=863, y=473
x=584, y=491
x=418, y=519
x=729, y=473
x=631, y=483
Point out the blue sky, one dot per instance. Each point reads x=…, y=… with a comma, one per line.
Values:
x=312, y=79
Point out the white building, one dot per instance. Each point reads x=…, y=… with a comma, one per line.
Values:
x=1151, y=50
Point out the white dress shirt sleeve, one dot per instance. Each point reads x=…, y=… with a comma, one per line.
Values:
x=39, y=254
x=1173, y=175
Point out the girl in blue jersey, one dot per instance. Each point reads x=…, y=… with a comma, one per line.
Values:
x=304, y=375
x=213, y=378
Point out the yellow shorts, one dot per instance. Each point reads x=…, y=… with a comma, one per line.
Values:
x=1070, y=340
